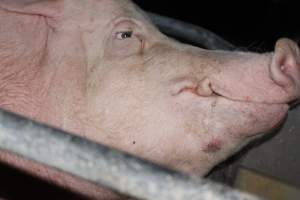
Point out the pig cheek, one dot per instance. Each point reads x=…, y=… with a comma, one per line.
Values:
x=134, y=122
x=192, y=134
x=158, y=133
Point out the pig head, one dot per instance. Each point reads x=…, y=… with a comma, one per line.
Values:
x=101, y=70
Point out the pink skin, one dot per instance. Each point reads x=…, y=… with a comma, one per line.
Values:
x=68, y=64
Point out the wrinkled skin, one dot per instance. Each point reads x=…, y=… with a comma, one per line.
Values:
x=100, y=69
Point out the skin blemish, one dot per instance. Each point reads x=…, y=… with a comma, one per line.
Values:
x=213, y=146
x=214, y=104
x=133, y=142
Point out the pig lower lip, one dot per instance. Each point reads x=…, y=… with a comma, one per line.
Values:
x=278, y=123
x=285, y=106
x=275, y=111
x=283, y=109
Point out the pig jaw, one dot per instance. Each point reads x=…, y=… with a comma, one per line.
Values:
x=218, y=127
x=235, y=102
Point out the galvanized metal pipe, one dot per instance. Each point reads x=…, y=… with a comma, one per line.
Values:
x=103, y=165
x=191, y=33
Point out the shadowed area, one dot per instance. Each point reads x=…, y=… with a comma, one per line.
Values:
x=18, y=185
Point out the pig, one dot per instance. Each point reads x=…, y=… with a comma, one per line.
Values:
x=101, y=70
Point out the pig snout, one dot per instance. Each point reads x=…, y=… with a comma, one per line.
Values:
x=284, y=68
x=272, y=78
x=241, y=94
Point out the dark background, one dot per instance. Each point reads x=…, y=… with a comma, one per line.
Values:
x=254, y=24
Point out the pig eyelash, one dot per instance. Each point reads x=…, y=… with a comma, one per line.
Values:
x=122, y=35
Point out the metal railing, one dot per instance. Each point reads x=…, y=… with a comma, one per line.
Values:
x=103, y=165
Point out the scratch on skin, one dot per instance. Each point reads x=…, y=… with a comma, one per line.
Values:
x=213, y=146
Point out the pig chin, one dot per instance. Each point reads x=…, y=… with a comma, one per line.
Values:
x=253, y=118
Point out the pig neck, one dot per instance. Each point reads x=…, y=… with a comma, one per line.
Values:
x=63, y=76
x=16, y=75
x=49, y=94
x=21, y=54
x=63, y=105
x=39, y=77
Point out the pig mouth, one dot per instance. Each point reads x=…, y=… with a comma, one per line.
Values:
x=279, y=110
x=259, y=117
x=246, y=101
x=218, y=93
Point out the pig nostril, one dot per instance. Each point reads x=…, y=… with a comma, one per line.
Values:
x=283, y=68
x=279, y=71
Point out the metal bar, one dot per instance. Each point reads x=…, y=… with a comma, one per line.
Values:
x=104, y=166
x=191, y=33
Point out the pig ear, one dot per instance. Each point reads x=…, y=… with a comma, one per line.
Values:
x=48, y=8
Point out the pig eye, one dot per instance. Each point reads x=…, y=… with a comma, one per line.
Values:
x=124, y=35
x=126, y=39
